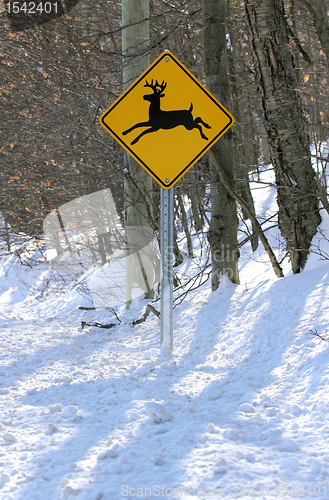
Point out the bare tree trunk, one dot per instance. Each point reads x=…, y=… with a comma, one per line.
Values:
x=196, y=215
x=258, y=230
x=101, y=248
x=243, y=158
x=177, y=253
x=185, y=223
x=293, y=16
x=193, y=196
x=222, y=233
x=285, y=126
x=7, y=235
x=319, y=12
x=139, y=184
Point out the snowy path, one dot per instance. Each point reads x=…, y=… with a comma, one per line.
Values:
x=246, y=392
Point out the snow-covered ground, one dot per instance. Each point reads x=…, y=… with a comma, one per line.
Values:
x=240, y=410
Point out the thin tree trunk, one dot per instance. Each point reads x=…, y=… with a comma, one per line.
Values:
x=241, y=146
x=138, y=186
x=319, y=12
x=7, y=235
x=195, y=211
x=101, y=248
x=244, y=205
x=222, y=235
x=293, y=16
x=285, y=126
x=185, y=223
x=177, y=254
x=193, y=196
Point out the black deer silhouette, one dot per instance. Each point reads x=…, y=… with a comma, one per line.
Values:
x=159, y=119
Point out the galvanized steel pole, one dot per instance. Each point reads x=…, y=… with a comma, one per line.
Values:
x=166, y=245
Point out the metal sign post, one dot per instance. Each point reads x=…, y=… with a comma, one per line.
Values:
x=166, y=120
x=166, y=245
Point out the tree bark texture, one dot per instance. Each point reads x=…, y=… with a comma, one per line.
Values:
x=319, y=12
x=242, y=154
x=245, y=206
x=185, y=222
x=138, y=184
x=222, y=233
x=285, y=126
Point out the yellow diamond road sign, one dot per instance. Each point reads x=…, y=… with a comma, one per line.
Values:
x=166, y=120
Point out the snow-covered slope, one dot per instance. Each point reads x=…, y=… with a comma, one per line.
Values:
x=240, y=409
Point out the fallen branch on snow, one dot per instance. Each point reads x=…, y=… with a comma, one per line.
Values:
x=149, y=308
x=320, y=335
x=99, y=325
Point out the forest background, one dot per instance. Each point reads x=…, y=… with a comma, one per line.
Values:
x=58, y=77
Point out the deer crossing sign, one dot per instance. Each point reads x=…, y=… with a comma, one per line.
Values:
x=166, y=120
